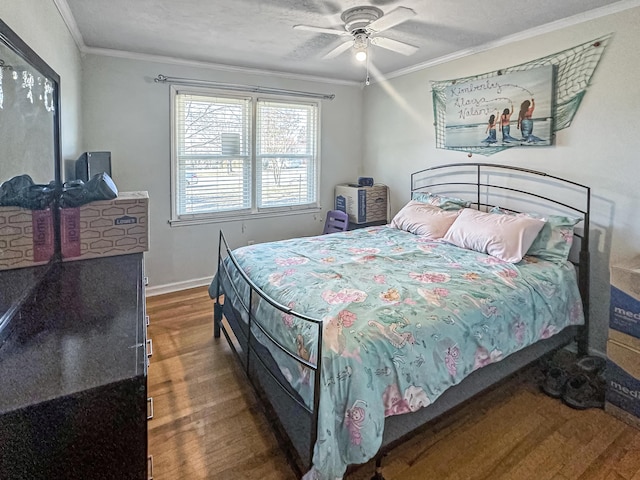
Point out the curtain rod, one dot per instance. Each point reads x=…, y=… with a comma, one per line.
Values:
x=242, y=88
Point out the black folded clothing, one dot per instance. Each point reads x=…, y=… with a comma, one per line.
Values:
x=20, y=191
x=77, y=193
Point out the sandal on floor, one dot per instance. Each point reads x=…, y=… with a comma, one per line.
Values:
x=554, y=382
x=581, y=392
x=591, y=364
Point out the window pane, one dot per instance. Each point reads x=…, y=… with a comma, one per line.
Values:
x=215, y=186
x=286, y=181
x=213, y=154
x=286, y=152
x=220, y=164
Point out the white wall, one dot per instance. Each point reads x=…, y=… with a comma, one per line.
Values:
x=40, y=25
x=126, y=113
x=599, y=149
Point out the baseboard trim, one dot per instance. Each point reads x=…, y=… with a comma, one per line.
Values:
x=177, y=286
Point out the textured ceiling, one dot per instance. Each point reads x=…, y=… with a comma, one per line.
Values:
x=259, y=33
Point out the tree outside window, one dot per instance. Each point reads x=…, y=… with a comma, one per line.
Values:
x=221, y=168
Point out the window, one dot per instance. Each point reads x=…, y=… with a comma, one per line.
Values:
x=242, y=155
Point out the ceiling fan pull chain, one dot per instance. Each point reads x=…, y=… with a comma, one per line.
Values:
x=366, y=81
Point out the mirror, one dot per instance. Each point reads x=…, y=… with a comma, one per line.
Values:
x=29, y=112
x=29, y=144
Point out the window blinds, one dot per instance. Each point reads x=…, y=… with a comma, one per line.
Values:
x=286, y=153
x=213, y=153
x=220, y=167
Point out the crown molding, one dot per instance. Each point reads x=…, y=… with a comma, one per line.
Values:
x=214, y=66
x=525, y=35
x=70, y=22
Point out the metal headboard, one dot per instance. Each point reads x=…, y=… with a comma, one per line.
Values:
x=517, y=189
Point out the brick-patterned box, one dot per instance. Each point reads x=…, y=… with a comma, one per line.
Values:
x=362, y=204
x=26, y=237
x=106, y=227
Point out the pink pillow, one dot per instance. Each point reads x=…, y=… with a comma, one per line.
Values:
x=503, y=236
x=424, y=219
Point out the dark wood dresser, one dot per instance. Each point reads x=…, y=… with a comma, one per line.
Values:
x=73, y=374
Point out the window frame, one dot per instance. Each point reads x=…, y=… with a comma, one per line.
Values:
x=253, y=211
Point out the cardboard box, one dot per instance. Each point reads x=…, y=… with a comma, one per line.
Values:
x=624, y=339
x=26, y=237
x=106, y=227
x=362, y=204
x=622, y=397
x=624, y=313
x=621, y=414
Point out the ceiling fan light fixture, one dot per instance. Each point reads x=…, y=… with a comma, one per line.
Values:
x=360, y=44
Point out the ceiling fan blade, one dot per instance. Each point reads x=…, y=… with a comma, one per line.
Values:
x=391, y=19
x=343, y=47
x=394, y=45
x=331, y=31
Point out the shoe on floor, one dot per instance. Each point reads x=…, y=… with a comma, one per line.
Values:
x=591, y=364
x=582, y=392
x=554, y=382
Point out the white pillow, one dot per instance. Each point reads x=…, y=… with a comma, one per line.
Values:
x=424, y=219
x=503, y=236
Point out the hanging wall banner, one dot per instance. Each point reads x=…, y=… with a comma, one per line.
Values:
x=508, y=110
x=574, y=68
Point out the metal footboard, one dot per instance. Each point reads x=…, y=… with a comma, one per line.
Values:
x=293, y=416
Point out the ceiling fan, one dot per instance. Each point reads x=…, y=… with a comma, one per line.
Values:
x=364, y=24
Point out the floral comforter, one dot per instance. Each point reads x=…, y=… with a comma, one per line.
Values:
x=404, y=319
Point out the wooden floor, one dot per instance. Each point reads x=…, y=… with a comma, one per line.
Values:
x=207, y=423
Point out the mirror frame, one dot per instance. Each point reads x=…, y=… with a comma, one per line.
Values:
x=15, y=43
x=20, y=48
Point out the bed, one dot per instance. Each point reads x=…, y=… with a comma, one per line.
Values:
x=355, y=339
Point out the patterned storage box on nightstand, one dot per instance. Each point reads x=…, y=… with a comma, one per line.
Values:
x=362, y=204
x=26, y=237
x=106, y=227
